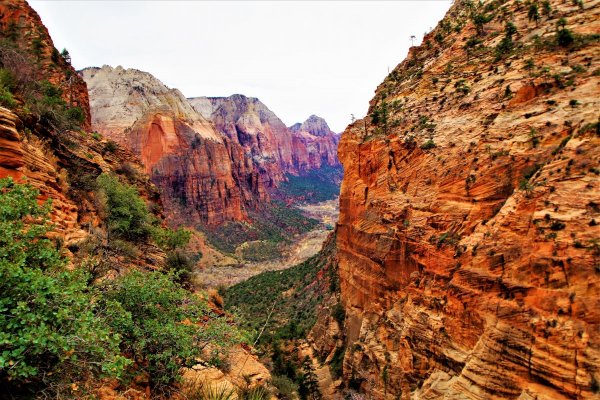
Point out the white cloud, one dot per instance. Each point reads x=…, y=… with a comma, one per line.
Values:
x=298, y=57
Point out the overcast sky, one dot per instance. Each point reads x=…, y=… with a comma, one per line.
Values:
x=299, y=58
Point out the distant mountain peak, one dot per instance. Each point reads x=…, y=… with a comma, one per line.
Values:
x=314, y=125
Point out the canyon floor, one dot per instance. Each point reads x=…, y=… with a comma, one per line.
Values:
x=217, y=269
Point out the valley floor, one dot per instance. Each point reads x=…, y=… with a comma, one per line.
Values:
x=302, y=247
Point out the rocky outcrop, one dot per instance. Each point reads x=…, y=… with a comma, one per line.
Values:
x=468, y=239
x=204, y=176
x=315, y=144
x=247, y=122
x=20, y=24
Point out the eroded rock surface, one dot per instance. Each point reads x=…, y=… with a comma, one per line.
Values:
x=204, y=177
x=468, y=239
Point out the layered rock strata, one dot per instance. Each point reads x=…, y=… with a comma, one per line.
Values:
x=204, y=176
x=468, y=239
x=275, y=148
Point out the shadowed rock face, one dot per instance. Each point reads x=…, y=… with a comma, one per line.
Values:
x=204, y=176
x=468, y=238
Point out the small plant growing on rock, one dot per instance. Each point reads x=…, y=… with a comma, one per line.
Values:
x=546, y=8
x=428, y=145
x=533, y=14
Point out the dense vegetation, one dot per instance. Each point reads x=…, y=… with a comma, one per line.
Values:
x=290, y=297
x=274, y=224
x=58, y=327
x=285, y=304
x=313, y=186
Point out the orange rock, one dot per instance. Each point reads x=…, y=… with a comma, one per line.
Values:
x=469, y=265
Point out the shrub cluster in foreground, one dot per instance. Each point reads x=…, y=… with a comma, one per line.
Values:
x=57, y=328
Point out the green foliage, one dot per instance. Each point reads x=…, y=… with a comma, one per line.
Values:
x=546, y=8
x=472, y=42
x=506, y=45
x=110, y=147
x=339, y=313
x=313, y=186
x=7, y=85
x=162, y=324
x=309, y=384
x=274, y=224
x=169, y=239
x=462, y=87
x=533, y=14
x=293, y=315
x=337, y=362
x=480, y=20
x=428, y=145
x=286, y=388
x=181, y=265
x=66, y=56
x=51, y=327
x=564, y=37
x=45, y=100
x=126, y=213
x=260, y=251
x=380, y=114
x=55, y=56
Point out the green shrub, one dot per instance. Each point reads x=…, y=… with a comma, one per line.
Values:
x=337, y=362
x=339, y=313
x=51, y=328
x=564, y=37
x=110, y=147
x=163, y=325
x=7, y=85
x=181, y=265
x=169, y=239
x=428, y=145
x=126, y=213
x=286, y=388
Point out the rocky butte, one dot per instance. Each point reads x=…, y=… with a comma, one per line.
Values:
x=468, y=244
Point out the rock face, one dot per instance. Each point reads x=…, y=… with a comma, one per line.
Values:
x=246, y=121
x=204, y=176
x=22, y=24
x=275, y=149
x=468, y=239
x=316, y=145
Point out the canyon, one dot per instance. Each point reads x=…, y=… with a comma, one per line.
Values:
x=461, y=260
x=213, y=159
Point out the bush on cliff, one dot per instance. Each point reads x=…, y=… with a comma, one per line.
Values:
x=51, y=329
x=163, y=326
x=57, y=330
x=127, y=216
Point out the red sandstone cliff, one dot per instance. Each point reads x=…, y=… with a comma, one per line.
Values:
x=275, y=148
x=203, y=175
x=247, y=122
x=468, y=238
